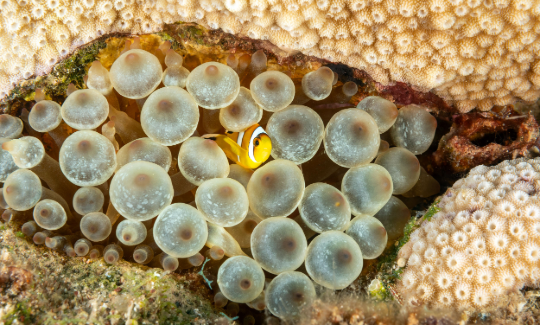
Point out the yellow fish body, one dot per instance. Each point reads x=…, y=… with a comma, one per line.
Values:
x=249, y=148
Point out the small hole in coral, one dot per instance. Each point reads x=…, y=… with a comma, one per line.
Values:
x=504, y=138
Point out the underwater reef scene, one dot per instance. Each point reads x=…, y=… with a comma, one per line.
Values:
x=195, y=176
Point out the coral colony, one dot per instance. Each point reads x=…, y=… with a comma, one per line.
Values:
x=483, y=243
x=164, y=193
x=471, y=53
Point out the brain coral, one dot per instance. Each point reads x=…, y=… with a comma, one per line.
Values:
x=483, y=243
x=472, y=53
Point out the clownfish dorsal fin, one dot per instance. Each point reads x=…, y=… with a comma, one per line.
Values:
x=211, y=136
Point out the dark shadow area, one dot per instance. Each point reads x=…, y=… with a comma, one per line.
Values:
x=502, y=138
x=345, y=73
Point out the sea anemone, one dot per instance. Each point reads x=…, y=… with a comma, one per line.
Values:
x=163, y=193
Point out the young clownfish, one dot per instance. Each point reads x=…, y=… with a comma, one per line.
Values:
x=249, y=148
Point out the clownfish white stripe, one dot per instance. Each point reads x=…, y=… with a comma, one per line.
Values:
x=240, y=138
x=258, y=131
x=239, y=141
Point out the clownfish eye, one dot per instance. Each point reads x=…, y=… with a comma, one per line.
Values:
x=256, y=142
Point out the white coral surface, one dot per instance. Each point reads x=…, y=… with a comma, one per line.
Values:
x=483, y=243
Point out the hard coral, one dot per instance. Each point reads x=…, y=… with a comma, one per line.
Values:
x=483, y=243
x=483, y=139
x=472, y=54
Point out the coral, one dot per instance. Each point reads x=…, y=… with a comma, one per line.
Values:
x=481, y=245
x=483, y=139
x=459, y=43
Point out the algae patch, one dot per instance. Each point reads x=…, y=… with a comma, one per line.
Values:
x=388, y=271
x=41, y=286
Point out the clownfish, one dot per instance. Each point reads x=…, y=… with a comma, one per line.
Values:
x=249, y=148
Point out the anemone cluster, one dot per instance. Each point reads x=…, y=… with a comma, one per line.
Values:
x=156, y=192
x=483, y=243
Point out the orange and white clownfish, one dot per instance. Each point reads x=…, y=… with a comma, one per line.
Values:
x=249, y=148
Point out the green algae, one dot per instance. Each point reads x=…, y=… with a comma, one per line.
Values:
x=70, y=70
x=175, y=45
x=21, y=314
x=73, y=68
x=77, y=290
x=434, y=208
x=388, y=272
x=378, y=291
x=194, y=33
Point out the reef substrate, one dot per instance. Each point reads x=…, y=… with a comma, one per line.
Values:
x=41, y=286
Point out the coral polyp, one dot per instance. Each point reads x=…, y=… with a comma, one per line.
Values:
x=486, y=233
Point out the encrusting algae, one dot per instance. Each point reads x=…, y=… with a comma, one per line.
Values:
x=151, y=173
